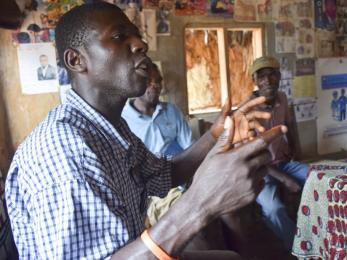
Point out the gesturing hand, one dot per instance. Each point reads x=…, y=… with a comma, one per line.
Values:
x=241, y=125
x=229, y=180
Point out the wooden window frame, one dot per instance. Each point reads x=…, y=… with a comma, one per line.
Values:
x=222, y=29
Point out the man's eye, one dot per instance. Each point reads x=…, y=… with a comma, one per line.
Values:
x=119, y=36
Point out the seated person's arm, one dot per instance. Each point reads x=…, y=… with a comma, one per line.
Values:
x=284, y=178
x=184, y=132
x=291, y=125
x=242, y=123
x=292, y=142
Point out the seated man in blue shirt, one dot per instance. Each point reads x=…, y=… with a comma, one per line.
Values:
x=160, y=125
x=162, y=128
x=78, y=185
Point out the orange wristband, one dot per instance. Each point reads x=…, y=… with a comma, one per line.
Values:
x=154, y=248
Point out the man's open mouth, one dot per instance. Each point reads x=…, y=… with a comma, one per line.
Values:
x=141, y=67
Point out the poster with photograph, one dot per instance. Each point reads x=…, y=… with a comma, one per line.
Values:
x=190, y=7
x=163, y=23
x=305, y=109
x=39, y=25
x=223, y=8
x=245, y=10
x=331, y=78
x=37, y=68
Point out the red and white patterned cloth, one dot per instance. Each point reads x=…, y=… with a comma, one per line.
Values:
x=322, y=215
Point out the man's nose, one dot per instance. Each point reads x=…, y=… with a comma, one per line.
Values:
x=138, y=45
x=265, y=79
x=155, y=85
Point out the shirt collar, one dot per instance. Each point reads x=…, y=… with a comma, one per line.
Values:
x=158, y=108
x=95, y=118
x=134, y=112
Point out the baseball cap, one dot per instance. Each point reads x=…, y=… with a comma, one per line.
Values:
x=264, y=62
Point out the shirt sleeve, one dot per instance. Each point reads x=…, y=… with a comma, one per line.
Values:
x=184, y=132
x=19, y=217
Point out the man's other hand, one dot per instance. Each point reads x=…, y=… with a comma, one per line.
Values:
x=229, y=180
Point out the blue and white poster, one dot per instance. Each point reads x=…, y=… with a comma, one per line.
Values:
x=331, y=84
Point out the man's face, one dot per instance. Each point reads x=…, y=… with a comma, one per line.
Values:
x=115, y=56
x=267, y=80
x=43, y=61
x=154, y=88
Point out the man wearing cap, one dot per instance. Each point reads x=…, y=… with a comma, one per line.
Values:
x=266, y=75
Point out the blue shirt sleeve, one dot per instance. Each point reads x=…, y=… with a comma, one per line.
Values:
x=184, y=133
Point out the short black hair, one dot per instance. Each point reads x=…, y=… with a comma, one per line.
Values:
x=33, y=27
x=23, y=37
x=73, y=28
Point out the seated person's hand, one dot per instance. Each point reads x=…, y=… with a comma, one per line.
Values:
x=242, y=124
x=283, y=178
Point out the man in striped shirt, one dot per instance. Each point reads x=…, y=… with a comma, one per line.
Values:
x=78, y=185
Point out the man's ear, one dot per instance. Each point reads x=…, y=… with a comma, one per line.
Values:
x=74, y=60
x=253, y=77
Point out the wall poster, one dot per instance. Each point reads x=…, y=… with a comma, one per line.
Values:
x=305, y=109
x=331, y=82
x=37, y=68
